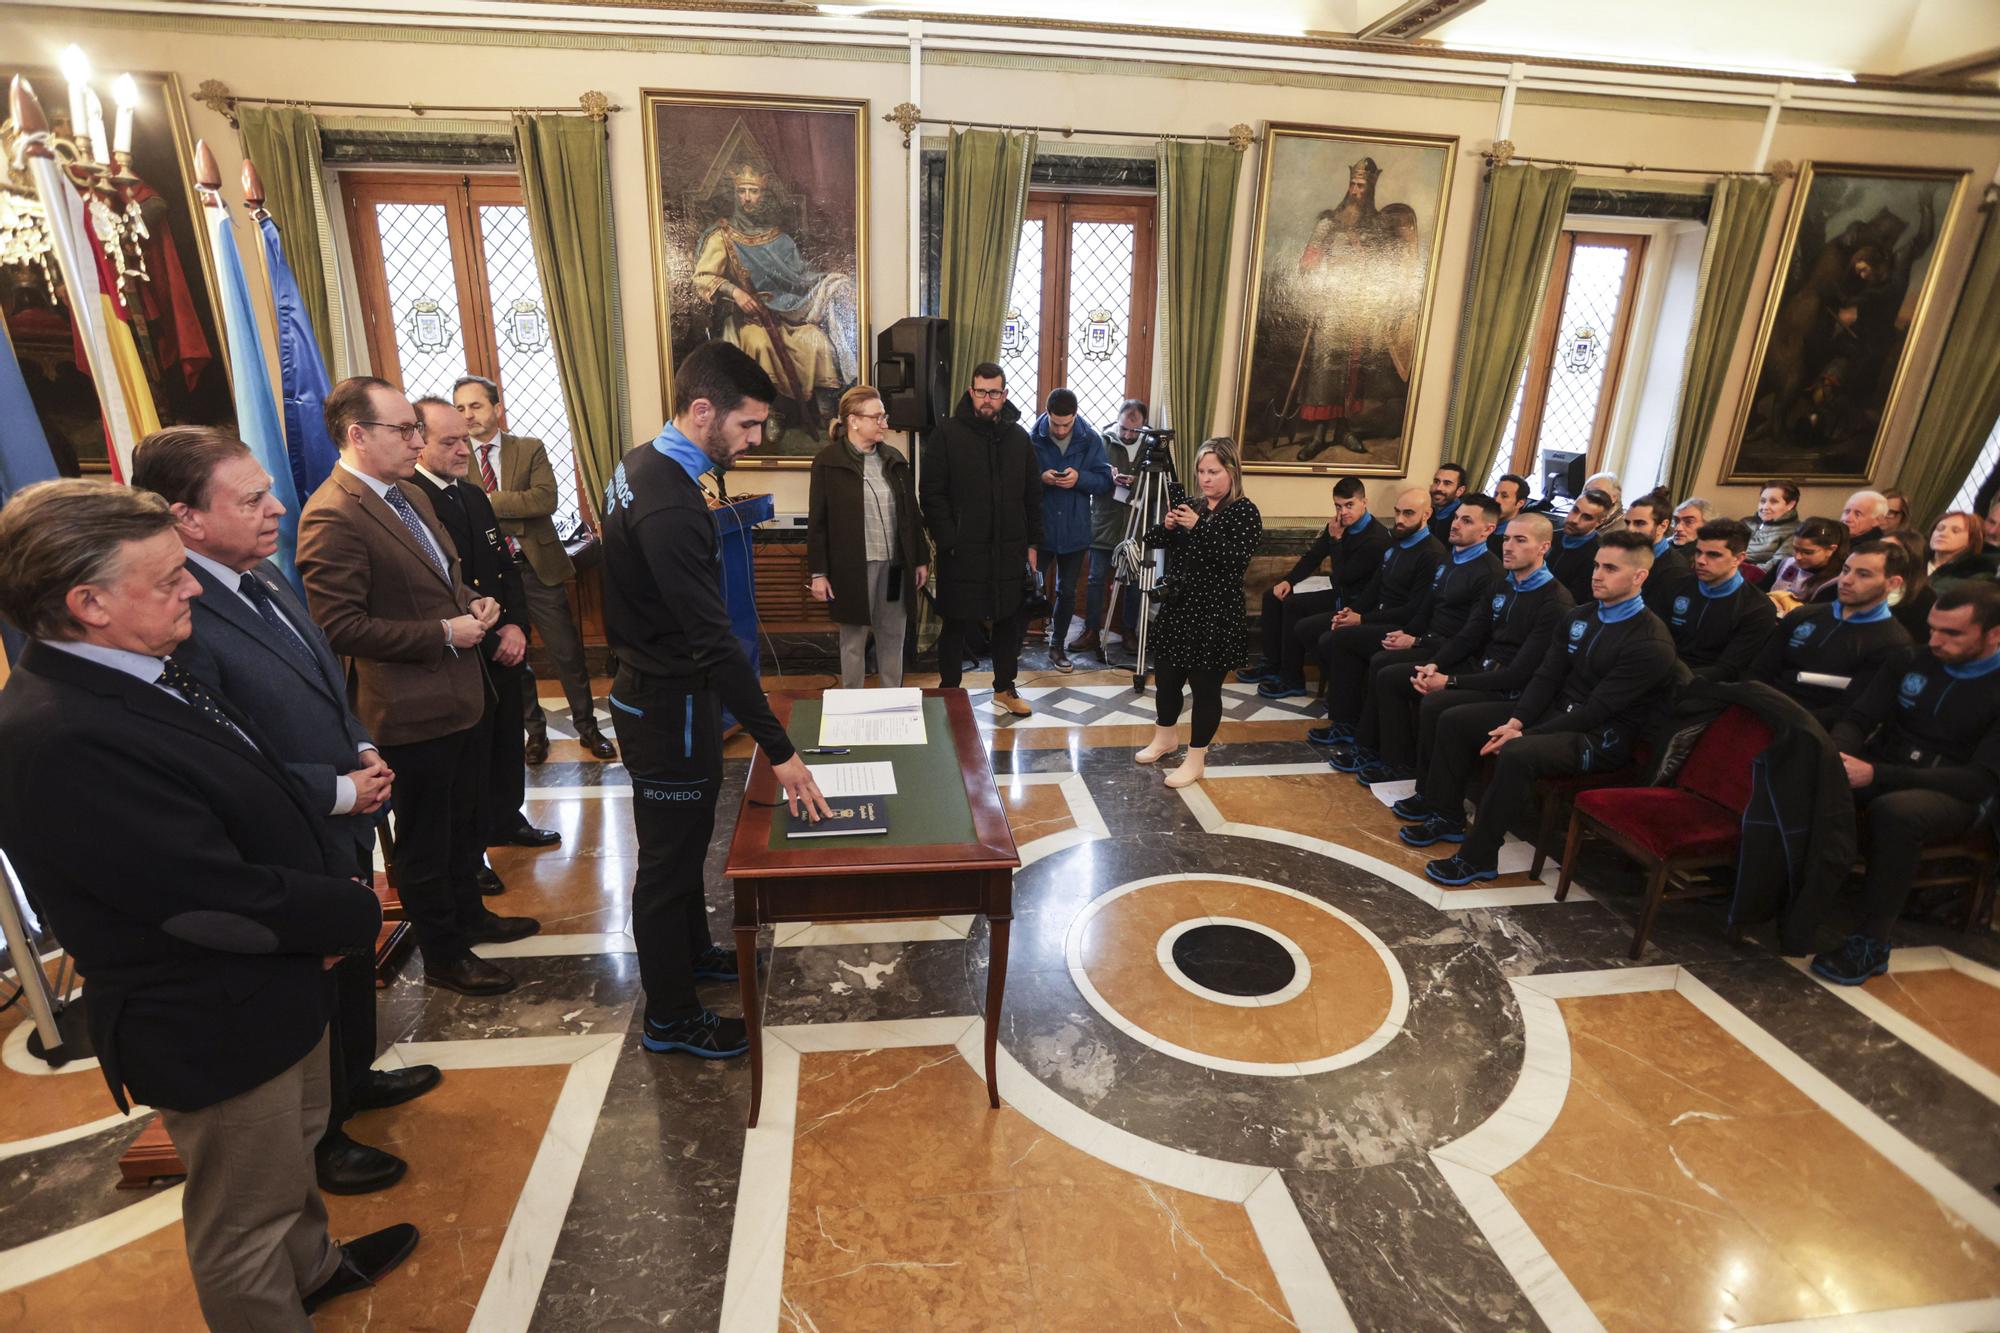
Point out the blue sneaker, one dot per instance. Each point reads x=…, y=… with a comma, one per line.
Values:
x=707, y=1034
x=1435, y=828
x=1412, y=809
x=1258, y=674
x=1456, y=870
x=1278, y=689
x=1383, y=771
x=1333, y=733
x=1350, y=757
x=715, y=963
x=1858, y=959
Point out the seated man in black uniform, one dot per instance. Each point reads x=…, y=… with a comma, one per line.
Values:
x=1652, y=517
x=1719, y=619
x=1573, y=558
x=1605, y=676
x=1826, y=654
x=1401, y=581
x=1292, y=621
x=1511, y=494
x=1460, y=587
x=1491, y=659
x=1922, y=750
x=1448, y=485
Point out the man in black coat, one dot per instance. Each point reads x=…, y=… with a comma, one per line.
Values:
x=1573, y=557
x=254, y=642
x=192, y=881
x=982, y=500
x=1652, y=517
x=1825, y=655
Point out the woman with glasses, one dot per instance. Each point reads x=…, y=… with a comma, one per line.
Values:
x=863, y=542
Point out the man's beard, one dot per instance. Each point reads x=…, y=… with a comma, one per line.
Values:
x=1402, y=532
x=1571, y=530
x=715, y=446
x=756, y=215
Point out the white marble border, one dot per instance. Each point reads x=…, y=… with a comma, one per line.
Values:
x=1301, y=965
x=1907, y=1030
x=1391, y=1025
x=753, y=1297
x=14, y=1055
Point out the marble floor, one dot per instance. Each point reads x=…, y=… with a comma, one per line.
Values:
x=1256, y=1073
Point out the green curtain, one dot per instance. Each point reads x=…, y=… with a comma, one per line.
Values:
x=565, y=164
x=1197, y=184
x=282, y=142
x=985, y=191
x=1964, y=397
x=1738, y=216
x=1519, y=224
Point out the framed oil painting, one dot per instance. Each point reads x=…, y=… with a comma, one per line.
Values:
x=1856, y=273
x=169, y=287
x=760, y=238
x=1345, y=260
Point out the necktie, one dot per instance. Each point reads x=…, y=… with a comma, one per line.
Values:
x=199, y=697
x=401, y=504
x=288, y=638
x=486, y=477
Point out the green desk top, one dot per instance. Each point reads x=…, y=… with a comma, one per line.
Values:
x=929, y=807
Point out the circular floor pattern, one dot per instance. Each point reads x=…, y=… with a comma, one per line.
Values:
x=1236, y=974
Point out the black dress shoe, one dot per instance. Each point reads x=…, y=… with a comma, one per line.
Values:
x=468, y=976
x=347, y=1167
x=594, y=741
x=525, y=834
x=492, y=929
x=365, y=1261
x=535, y=750
x=392, y=1087
x=489, y=881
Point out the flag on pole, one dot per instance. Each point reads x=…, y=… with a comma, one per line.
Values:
x=257, y=420
x=76, y=260
x=24, y=452
x=304, y=382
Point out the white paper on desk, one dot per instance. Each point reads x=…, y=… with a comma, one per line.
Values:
x=1317, y=583
x=872, y=717
x=867, y=779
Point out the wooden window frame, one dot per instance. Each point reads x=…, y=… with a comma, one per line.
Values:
x=1057, y=210
x=1548, y=330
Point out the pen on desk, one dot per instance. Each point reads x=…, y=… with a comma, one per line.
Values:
x=823, y=749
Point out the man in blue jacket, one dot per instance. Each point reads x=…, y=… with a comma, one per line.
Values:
x=1070, y=454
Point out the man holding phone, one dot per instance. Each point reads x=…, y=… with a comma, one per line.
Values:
x=1070, y=456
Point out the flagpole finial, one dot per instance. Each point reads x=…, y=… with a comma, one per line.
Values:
x=26, y=110
x=207, y=174
x=253, y=187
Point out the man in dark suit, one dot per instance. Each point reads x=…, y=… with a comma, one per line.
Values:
x=514, y=472
x=383, y=581
x=489, y=569
x=191, y=880
x=254, y=642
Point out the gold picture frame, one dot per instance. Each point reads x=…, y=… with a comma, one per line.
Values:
x=806, y=233
x=1339, y=302
x=1831, y=362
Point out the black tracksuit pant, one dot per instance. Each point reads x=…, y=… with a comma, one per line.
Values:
x=1431, y=712
x=1389, y=673
x=1519, y=765
x=1344, y=657
x=1895, y=826
x=1280, y=625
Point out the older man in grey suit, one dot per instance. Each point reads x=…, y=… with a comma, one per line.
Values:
x=254, y=641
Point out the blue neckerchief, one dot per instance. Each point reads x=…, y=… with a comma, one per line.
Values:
x=1879, y=614
x=1415, y=539
x=1726, y=588
x=1535, y=580
x=1446, y=512
x=1662, y=546
x=1465, y=555
x=1612, y=613
x=1366, y=519
x=683, y=451
x=1985, y=666
x=1571, y=543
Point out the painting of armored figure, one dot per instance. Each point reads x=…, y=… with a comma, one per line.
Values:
x=759, y=239
x=1853, y=282
x=1340, y=297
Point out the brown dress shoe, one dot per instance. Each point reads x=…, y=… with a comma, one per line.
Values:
x=1011, y=702
x=536, y=750
x=1086, y=642
x=595, y=741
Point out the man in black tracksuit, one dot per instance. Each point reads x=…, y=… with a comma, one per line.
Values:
x=1652, y=517
x=1490, y=660
x=679, y=665
x=1825, y=655
x=1573, y=557
x=1395, y=592
x=1719, y=619
x=1608, y=672
x=1448, y=485
x=1922, y=750
x=1292, y=621
x=1459, y=589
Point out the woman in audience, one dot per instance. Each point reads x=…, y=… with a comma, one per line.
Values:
x=1913, y=609
x=1809, y=572
x=1210, y=538
x=1958, y=551
x=863, y=543
x=1773, y=526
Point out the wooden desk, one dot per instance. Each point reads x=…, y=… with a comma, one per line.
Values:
x=889, y=877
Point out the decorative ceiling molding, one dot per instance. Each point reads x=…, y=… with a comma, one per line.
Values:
x=1411, y=20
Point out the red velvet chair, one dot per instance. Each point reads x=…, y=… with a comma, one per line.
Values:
x=1695, y=824
x=1556, y=797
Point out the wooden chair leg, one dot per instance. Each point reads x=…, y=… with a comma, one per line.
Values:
x=1545, y=831
x=1574, y=841
x=1656, y=890
x=1978, y=892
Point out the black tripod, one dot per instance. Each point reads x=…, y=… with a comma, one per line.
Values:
x=1138, y=569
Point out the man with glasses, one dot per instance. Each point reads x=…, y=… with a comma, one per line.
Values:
x=383, y=580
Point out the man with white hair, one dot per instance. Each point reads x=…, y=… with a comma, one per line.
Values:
x=1689, y=515
x=1865, y=514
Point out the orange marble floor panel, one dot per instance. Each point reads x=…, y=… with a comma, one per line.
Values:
x=569, y=895
x=1684, y=1185
x=590, y=826
x=1960, y=1010
x=1035, y=811
x=915, y=1206
x=470, y=1145
x=32, y=1105
x=1335, y=808
x=1113, y=736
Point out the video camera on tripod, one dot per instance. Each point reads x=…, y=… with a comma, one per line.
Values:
x=1141, y=570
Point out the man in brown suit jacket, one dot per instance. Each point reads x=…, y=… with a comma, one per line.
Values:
x=514, y=471
x=383, y=581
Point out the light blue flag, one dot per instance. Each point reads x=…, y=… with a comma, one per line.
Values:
x=24, y=451
x=256, y=406
x=304, y=383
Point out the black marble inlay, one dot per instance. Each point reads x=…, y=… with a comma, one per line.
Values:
x=1234, y=960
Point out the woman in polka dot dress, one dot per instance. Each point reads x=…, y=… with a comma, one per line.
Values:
x=1209, y=540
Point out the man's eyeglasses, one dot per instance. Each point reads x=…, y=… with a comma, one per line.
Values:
x=989, y=393
x=403, y=429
